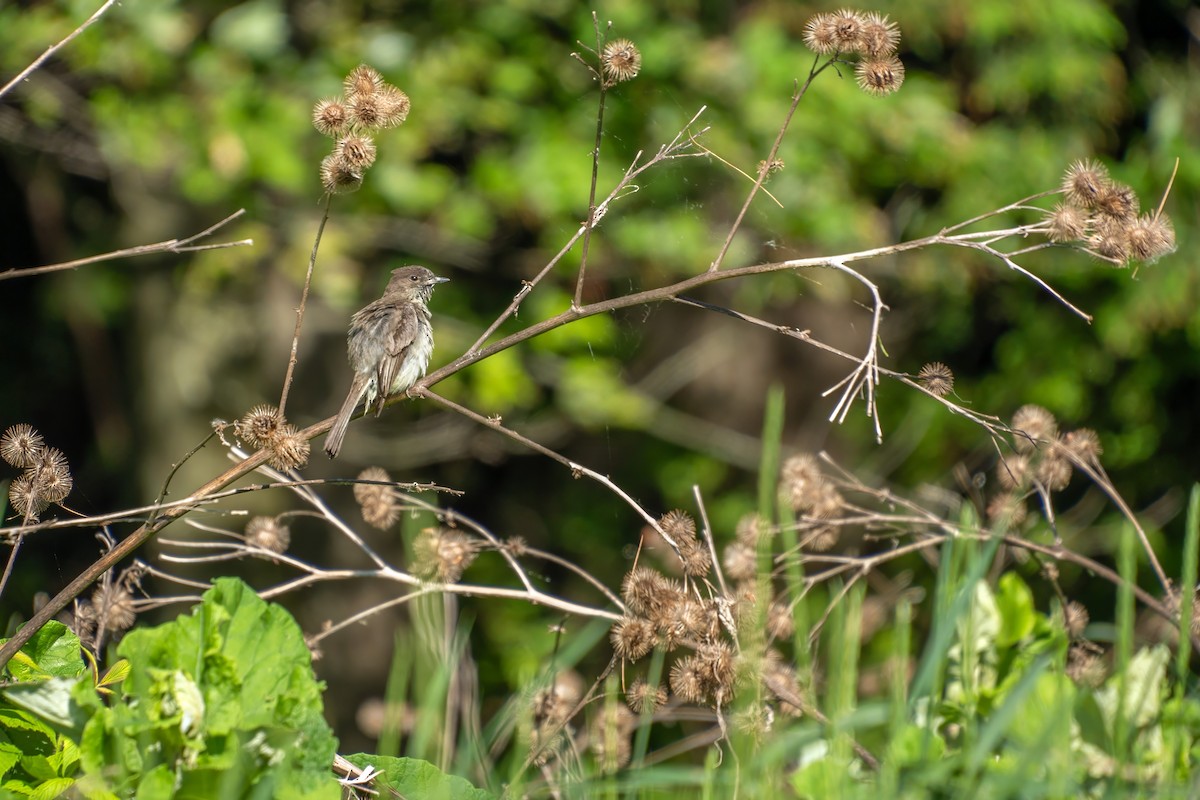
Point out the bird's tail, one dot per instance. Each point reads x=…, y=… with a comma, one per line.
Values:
x=333, y=441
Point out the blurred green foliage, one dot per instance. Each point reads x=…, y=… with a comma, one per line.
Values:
x=167, y=116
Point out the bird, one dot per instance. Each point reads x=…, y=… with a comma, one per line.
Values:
x=389, y=344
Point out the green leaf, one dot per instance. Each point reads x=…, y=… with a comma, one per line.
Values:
x=157, y=784
x=116, y=673
x=412, y=777
x=53, y=651
x=223, y=699
x=52, y=788
x=16, y=722
x=1143, y=683
x=1014, y=601
x=50, y=700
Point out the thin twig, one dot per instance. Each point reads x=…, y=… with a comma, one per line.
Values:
x=706, y=531
x=312, y=263
x=25, y=73
x=866, y=374
x=673, y=149
x=170, y=246
x=12, y=559
x=765, y=168
x=577, y=469
x=591, y=217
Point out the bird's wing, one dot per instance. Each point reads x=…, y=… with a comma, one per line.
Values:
x=400, y=334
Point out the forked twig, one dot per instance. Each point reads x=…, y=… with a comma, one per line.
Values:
x=169, y=246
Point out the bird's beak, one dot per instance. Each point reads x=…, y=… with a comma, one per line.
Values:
x=436, y=280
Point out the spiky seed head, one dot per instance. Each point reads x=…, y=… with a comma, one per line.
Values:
x=1007, y=506
x=633, y=638
x=25, y=498
x=1110, y=239
x=363, y=81
x=338, y=176
x=52, y=474
x=1084, y=666
x=1068, y=223
x=357, y=151
x=645, y=590
x=268, y=533
x=694, y=556
x=880, y=36
x=1084, y=182
x=21, y=445
x=645, y=698
x=1075, y=618
x=678, y=525
x=1084, y=444
x=1118, y=201
x=287, y=449
x=378, y=503
x=740, y=560
x=443, y=553
x=847, y=30
x=620, y=60
x=112, y=604
x=823, y=539
x=936, y=378
x=1036, y=423
x=552, y=705
x=392, y=107
x=1150, y=237
x=820, y=34
x=368, y=491
x=800, y=481
x=1054, y=471
x=686, y=681
x=331, y=117
x=1014, y=471
x=781, y=623
x=386, y=108
x=879, y=76
x=753, y=527
x=829, y=503
x=684, y=621
x=259, y=426
x=745, y=604
x=710, y=622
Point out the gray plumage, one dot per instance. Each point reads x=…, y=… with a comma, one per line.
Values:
x=389, y=345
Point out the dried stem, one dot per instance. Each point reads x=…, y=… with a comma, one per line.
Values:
x=25, y=73
x=765, y=168
x=312, y=263
x=170, y=246
x=590, y=225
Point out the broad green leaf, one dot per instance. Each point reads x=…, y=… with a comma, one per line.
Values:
x=51, y=700
x=157, y=784
x=223, y=699
x=412, y=777
x=53, y=651
x=1014, y=602
x=1144, y=682
x=52, y=788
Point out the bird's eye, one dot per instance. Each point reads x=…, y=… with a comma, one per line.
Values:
x=414, y=277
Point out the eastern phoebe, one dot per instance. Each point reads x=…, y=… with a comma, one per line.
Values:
x=389, y=345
